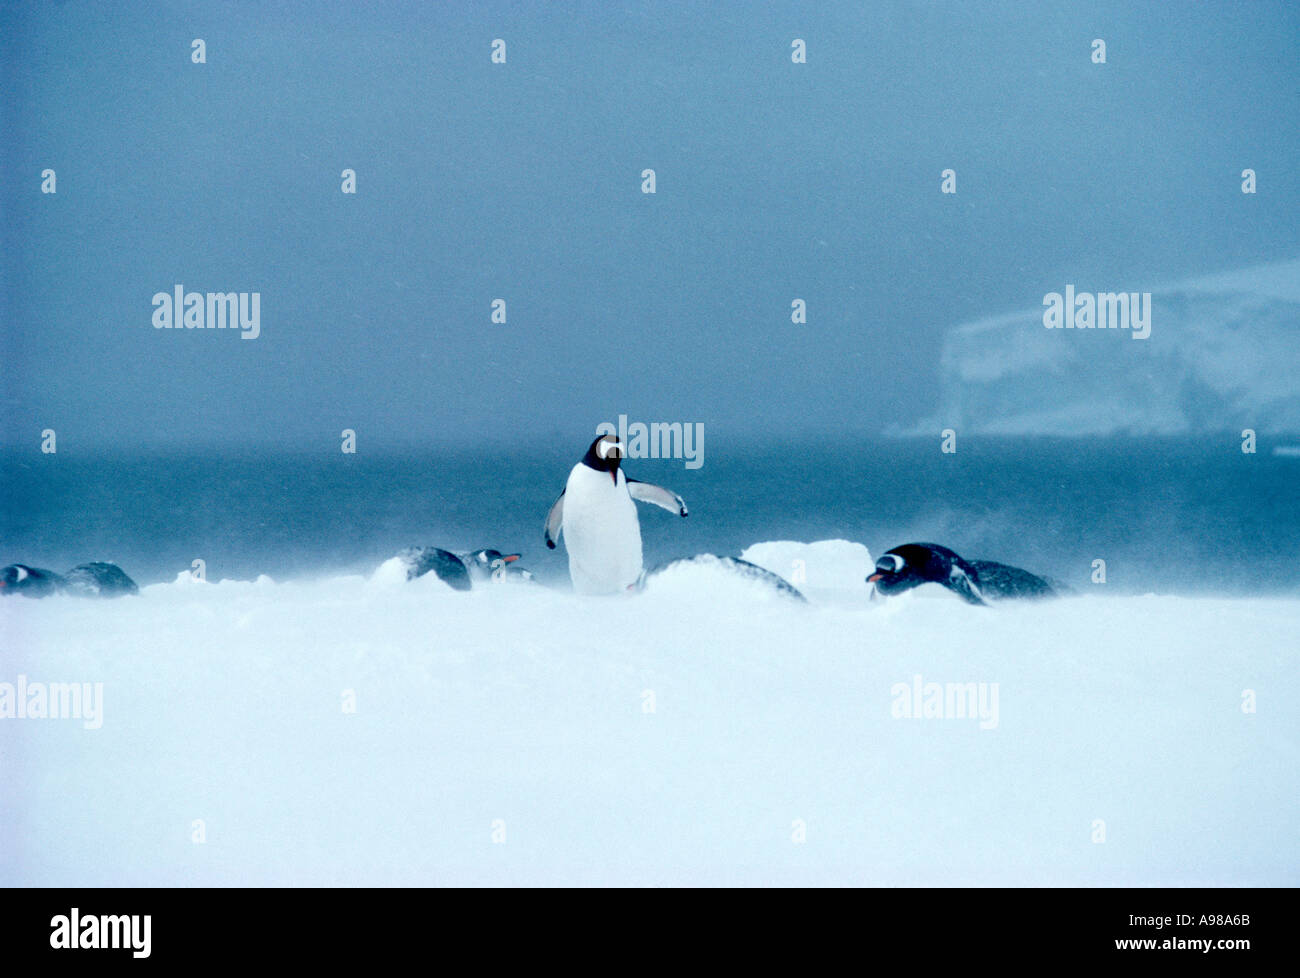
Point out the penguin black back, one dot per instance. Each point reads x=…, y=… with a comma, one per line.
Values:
x=445, y=565
x=1005, y=581
x=914, y=564
x=99, y=579
x=741, y=568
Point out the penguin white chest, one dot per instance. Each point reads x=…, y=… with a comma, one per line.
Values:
x=601, y=531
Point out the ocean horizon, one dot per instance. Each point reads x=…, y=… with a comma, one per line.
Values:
x=1185, y=515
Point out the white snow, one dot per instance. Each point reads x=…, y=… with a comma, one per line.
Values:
x=826, y=571
x=688, y=734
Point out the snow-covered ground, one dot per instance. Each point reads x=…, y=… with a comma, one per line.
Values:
x=709, y=730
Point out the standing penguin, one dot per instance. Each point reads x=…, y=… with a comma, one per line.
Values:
x=597, y=516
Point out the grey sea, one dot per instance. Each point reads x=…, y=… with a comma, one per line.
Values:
x=1194, y=516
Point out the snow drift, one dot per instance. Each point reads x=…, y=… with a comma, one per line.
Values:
x=356, y=730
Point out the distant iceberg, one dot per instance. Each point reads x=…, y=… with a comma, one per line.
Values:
x=1223, y=354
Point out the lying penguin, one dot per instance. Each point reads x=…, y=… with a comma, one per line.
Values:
x=461, y=569
x=596, y=511
x=98, y=579
x=977, y=581
x=734, y=565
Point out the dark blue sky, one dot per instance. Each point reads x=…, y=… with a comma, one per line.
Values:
x=522, y=181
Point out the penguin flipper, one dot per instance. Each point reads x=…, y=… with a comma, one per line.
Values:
x=962, y=583
x=554, y=521
x=647, y=493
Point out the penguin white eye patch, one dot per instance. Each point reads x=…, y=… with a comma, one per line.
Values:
x=889, y=564
x=22, y=574
x=604, y=448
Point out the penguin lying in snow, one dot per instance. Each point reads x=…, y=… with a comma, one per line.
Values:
x=742, y=568
x=493, y=565
x=461, y=570
x=597, y=514
x=977, y=581
x=98, y=579
x=32, y=582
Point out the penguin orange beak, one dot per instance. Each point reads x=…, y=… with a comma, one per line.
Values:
x=510, y=557
x=875, y=577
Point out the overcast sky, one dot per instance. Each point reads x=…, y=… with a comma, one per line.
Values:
x=522, y=181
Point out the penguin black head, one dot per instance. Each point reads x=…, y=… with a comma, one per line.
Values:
x=914, y=564
x=14, y=575
x=604, y=455
x=28, y=580
x=492, y=559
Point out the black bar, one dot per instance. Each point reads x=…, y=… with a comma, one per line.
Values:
x=927, y=927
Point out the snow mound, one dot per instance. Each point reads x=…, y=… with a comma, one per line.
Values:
x=393, y=571
x=825, y=570
x=719, y=576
